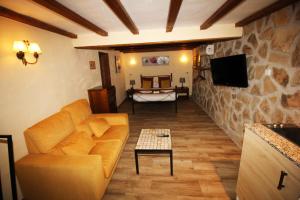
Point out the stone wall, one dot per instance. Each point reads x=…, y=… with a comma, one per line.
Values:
x=271, y=44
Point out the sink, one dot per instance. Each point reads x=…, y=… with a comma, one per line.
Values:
x=289, y=131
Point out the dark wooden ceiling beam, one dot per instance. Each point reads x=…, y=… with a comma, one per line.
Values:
x=265, y=11
x=119, y=10
x=71, y=15
x=221, y=12
x=179, y=44
x=157, y=47
x=173, y=13
x=146, y=47
x=4, y=12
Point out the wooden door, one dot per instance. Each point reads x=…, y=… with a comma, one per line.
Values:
x=105, y=70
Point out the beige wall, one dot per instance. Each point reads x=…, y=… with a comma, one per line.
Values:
x=29, y=94
x=178, y=68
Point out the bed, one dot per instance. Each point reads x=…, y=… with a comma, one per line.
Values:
x=152, y=91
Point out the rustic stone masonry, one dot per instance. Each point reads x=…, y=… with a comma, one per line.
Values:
x=270, y=44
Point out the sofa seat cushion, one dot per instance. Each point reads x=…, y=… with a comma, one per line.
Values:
x=49, y=132
x=109, y=151
x=79, y=110
x=117, y=132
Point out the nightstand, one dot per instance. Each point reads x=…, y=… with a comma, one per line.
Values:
x=184, y=91
x=130, y=93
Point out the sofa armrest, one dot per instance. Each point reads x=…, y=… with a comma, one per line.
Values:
x=113, y=118
x=44, y=176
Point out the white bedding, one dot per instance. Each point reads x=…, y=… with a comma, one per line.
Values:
x=139, y=97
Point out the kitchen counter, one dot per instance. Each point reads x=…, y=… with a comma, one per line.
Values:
x=284, y=146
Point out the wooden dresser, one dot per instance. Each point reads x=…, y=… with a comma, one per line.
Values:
x=103, y=100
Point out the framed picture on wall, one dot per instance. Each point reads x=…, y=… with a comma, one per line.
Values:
x=117, y=64
x=92, y=64
x=155, y=60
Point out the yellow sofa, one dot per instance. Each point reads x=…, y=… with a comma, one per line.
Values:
x=66, y=161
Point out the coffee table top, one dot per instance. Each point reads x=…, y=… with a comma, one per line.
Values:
x=152, y=139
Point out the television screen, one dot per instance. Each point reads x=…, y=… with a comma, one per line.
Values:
x=230, y=71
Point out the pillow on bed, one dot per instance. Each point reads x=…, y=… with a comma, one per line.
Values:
x=155, y=82
x=145, y=91
x=166, y=91
x=165, y=83
x=147, y=84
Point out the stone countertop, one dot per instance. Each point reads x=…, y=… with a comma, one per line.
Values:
x=284, y=146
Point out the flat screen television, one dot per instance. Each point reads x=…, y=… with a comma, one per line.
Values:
x=230, y=71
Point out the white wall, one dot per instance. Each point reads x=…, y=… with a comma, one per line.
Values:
x=32, y=93
x=178, y=68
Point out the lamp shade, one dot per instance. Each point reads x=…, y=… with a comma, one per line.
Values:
x=132, y=82
x=34, y=47
x=182, y=80
x=19, y=46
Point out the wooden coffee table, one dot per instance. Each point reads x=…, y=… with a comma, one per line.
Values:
x=154, y=141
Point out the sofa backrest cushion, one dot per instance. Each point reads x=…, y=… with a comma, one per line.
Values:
x=78, y=143
x=98, y=126
x=84, y=126
x=43, y=136
x=79, y=110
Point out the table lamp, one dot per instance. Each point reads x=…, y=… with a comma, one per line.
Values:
x=182, y=80
x=132, y=83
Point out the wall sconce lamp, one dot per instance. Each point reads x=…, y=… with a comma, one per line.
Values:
x=183, y=59
x=23, y=47
x=132, y=61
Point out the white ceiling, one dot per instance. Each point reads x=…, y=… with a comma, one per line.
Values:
x=245, y=9
x=195, y=12
x=97, y=12
x=146, y=14
x=36, y=11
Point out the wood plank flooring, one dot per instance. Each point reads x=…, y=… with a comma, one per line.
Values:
x=206, y=161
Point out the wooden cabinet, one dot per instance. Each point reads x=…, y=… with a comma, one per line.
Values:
x=183, y=92
x=103, y=100
x=261, y=169
x=130, y=93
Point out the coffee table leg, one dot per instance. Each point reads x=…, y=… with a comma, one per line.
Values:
x=171, y=162
x=136, y=162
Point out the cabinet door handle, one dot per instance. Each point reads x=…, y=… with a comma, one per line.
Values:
x=280, y=184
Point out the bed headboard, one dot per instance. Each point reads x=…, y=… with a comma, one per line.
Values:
x=164, y=81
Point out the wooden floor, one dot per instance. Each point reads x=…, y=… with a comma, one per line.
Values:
x=206, y=161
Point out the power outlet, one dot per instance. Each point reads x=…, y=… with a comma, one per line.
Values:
x=268, y=72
